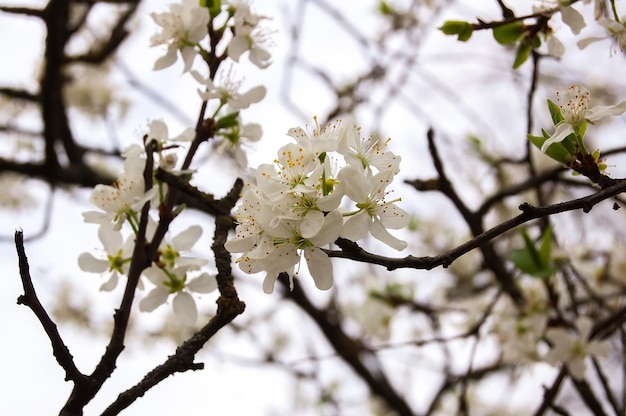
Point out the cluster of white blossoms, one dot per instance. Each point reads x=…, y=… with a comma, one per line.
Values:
x=298, y=205
x=186, y=24
x=574, y=19
x=184, y=31
x=172, y=273
x=576, y=114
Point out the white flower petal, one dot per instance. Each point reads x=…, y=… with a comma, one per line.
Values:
x=573, y=19
x=155, y=275
x=237, y=46
x=333, y=222
x=603, y=111
x=111, y=239
x=185, y=308
x=260, y=57
x=393, y=217
x=320, y=267
x=357, y=185
x=110, y=284
x=157, y=297
x=584, y=325
x=185, y=240
x=576, y=368
x=166, y=60
x=583, y=43
x=312, y=224
x=268, y=282
x=88, y=263
x=357, y=226
x=380, y=233
x=555, y=47
x=560, y=133
x=158, y=130
x=204, y=283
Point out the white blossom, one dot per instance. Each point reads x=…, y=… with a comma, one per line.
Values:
x=171, y=276
x=118, y=257
x=574, y=105
x=572, y=348
x=375, y=214
x=249, y=36
x=293, y=210
x=157, y=130
x=616, y=32
x=174, y=282
x=229, y=92
x=181, y=29
x=235, y=138
x=367, y=152
x=123, y=199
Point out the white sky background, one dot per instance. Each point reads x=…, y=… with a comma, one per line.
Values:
x=33, y=382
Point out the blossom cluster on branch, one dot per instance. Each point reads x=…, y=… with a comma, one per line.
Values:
x=295, y=208
x=183, y=30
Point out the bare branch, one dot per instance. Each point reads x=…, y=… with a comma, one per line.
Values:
x=30, y=299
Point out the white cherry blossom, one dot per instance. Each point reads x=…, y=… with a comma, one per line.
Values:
x=229, y=93
x=375, y=214
x=181, y=29
x=118, y=256
x=366, y=152
x=292, y=211
x=175, y=282
x=124, y=199
x=574, y=105
x=572, y=348
x=249, y=36
x=616, y=32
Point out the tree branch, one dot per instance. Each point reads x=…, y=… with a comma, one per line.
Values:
x=60, y=351
x=351, y=250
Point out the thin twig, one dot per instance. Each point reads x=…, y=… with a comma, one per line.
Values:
x=29, y=298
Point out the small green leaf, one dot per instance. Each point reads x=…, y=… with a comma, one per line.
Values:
x=556, y=151
x=509, y=33
x=536, y=42
x=555, y=112
x=462, y=29
x=478, y=147
x=214, y=6
x=523, y=52
x=545, y=249
x=229, y=120
x=533, y=261
x=385, y=9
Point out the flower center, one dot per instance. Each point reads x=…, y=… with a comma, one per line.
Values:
x=574, y=104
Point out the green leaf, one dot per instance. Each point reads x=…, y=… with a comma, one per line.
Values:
x=536, y=42
x=229, y=120
x=509, y=33
x=214, y=6
x=478, y=147
x=523, y=52
x=556, y=151
x=555, y=112
x=462, y=29
x=545, y=249
x=532, y=260
x=385, y=9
